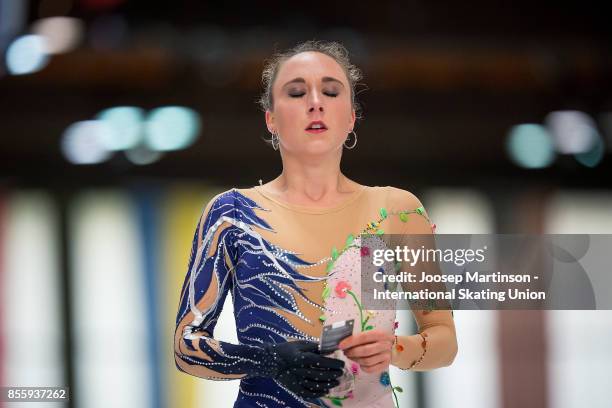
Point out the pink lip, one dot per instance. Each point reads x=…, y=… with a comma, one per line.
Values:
x=316, y=122
x=316, y=130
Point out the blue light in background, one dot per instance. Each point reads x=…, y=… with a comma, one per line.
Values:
x=593, y=156
x=26, y=55
x=141, y=155
x=82, y=142
x=573, y=131
x=530, y=146
x=171, y=128
x=125, y=125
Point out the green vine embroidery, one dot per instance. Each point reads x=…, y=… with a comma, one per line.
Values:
x=394, y=389
x=374, y=227
x=363, y=322
x=337, y=400
x=371, y=228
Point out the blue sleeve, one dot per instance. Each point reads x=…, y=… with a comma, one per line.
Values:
x=208, y=280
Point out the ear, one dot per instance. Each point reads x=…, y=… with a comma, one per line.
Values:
x=270, y=121
x=352, y=121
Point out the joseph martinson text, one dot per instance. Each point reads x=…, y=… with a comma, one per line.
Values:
x=456, y=293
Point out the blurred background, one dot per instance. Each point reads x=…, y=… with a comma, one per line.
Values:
x=120, y=119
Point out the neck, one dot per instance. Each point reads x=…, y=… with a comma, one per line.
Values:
x=312, y=180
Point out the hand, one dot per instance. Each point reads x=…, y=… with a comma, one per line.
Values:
x=370, y=349
x=298, y=366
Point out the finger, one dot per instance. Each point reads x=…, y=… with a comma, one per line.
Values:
x=369, y=336
x=316, y=360
x=367, y=350
x=307, y=346
x=321, y=376
x=317, y=375
x=318, y=386
x=306, y=393
x=330, y=382
x=378, y=368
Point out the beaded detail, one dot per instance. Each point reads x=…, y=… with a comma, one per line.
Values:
x=343, y=288
x=233, y=257
x=424, y=346
x=372, y=227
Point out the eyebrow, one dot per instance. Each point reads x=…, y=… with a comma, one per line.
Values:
x=324, y=80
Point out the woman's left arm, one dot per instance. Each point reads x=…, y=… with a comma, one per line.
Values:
x=435, y=346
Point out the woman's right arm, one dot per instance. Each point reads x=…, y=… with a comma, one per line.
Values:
x=209, y=278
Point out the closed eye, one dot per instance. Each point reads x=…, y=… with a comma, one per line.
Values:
x=298, y=95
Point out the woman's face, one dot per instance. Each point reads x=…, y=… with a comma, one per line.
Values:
x=311, y=89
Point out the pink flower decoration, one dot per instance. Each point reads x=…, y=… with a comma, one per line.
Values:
x=365, y=251
x=341, y=289
x=355, y=368
x=433, y=227
x=395, y=325
x=350, y=394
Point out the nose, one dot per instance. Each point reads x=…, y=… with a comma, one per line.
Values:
x=315, y=102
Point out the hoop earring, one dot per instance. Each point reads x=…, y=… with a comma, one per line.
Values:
x=274, y=141
x=354, y=144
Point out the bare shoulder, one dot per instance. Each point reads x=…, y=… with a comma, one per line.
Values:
x=403, y=199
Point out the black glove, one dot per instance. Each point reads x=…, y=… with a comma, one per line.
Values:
x=298, y=366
